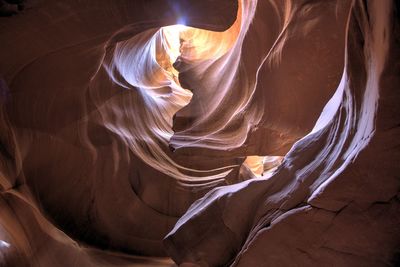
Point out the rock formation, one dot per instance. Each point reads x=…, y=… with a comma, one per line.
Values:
x=199, y=133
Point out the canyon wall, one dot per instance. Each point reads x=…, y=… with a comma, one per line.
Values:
x=199, y=133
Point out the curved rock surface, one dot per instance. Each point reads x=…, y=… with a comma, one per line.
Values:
x=199, y=133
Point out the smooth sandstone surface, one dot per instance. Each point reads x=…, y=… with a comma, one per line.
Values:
x=254, y=133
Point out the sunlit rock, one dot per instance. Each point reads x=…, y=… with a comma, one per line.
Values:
x=199, y=133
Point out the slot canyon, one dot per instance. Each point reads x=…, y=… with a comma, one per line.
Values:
x=243, y=133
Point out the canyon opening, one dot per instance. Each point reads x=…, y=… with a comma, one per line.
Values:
x=199, y=133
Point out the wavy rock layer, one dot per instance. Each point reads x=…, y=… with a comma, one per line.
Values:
x=259, y=133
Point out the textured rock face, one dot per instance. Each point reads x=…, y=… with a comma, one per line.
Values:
x=265, y=134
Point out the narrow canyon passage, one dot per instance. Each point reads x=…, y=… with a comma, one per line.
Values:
x=199, y=133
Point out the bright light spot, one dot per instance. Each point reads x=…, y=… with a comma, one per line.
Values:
x=193, y=45
x=172, y=36
x=179, y=27
x=4, y=244
x=261, y=165
x=255, y=164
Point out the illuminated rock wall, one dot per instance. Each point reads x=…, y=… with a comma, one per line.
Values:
x=253, y=133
